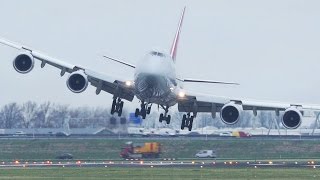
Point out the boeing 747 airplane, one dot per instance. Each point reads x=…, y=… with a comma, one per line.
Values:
x=155, y=82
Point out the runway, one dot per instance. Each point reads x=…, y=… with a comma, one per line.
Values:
x=177, y=138
x=164, y=164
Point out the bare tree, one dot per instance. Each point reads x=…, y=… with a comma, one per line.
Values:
x=57, y=116
x=29, y=113
x=78, y=117
x=11, y=116
x=43, y=114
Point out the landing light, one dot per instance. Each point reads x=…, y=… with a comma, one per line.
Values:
x=182, y=94
x=312, y=162
x=129, y=83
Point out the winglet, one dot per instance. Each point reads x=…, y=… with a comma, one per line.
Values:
x=174, y=46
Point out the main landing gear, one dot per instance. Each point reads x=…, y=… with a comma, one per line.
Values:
x=145, y=109
x=165, y=116
x=187, y=121
x=117, y=106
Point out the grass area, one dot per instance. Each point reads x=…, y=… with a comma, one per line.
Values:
x=158, y=173
x=11, y=149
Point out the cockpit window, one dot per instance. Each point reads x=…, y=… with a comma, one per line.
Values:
x=155, y=53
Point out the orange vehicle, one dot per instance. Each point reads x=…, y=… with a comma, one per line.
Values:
x=138, y=151
x=241, y=134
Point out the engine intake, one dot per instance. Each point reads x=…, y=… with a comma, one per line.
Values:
x=291, y=118
x=23, y=63
x=77, y=82
x=231, y=113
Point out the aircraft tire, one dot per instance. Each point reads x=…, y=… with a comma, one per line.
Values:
x=183, y=123
x=120, y=108
x=143, y=113
x=161, y=118
x=168, y=119
x=136, y=113
x=113, y=106
x=190, y=123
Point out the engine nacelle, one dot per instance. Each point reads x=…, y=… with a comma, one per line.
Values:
x=77, y=82
x=231, y=113
x=291, y=118
x=23, y=63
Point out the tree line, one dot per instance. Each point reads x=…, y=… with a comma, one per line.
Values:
x=50, y=115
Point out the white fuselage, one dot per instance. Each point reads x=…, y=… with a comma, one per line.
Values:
x=155, y=79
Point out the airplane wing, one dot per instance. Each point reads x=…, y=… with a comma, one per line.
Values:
x=119, y=88
x=230, y=109
x=205, y=81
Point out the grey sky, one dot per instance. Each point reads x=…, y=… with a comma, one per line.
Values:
x=271, y=47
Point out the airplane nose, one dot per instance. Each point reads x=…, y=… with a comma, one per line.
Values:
x=147, y=82
x=151, y=81
x=150, y=85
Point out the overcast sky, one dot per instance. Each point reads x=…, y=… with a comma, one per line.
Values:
x=271, y=47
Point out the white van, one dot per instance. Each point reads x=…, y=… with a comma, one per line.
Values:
x=206, y=154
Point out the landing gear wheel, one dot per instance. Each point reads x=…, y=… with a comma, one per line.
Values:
x=117, y=106
x=161, y=118
x=187, y=121
x=143, y=113
x=149, y=110
x=113, y=106
x=190, y=123
x=120, y=109
x=168, y=119
x=136, y=114
x=183, y=123
x=164, y=117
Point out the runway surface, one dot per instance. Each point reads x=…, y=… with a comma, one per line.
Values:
x=178, y=138
x=164, y=164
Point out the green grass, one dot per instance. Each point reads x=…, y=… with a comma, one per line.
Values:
x=46, y=149
x=88, y=149
x=158, y=173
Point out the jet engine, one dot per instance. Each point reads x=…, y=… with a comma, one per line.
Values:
x=23, y=63
x=77, y=82
x=291, y=118
x=231, y=113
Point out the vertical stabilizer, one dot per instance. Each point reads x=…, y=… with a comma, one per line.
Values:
x=174, y=46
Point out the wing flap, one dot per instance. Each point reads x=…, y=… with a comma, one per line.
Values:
x=110, y=85
x=208, y=103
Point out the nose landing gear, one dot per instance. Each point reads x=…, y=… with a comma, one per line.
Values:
x=165, y=116
x=145, y=109
x=187, y=121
